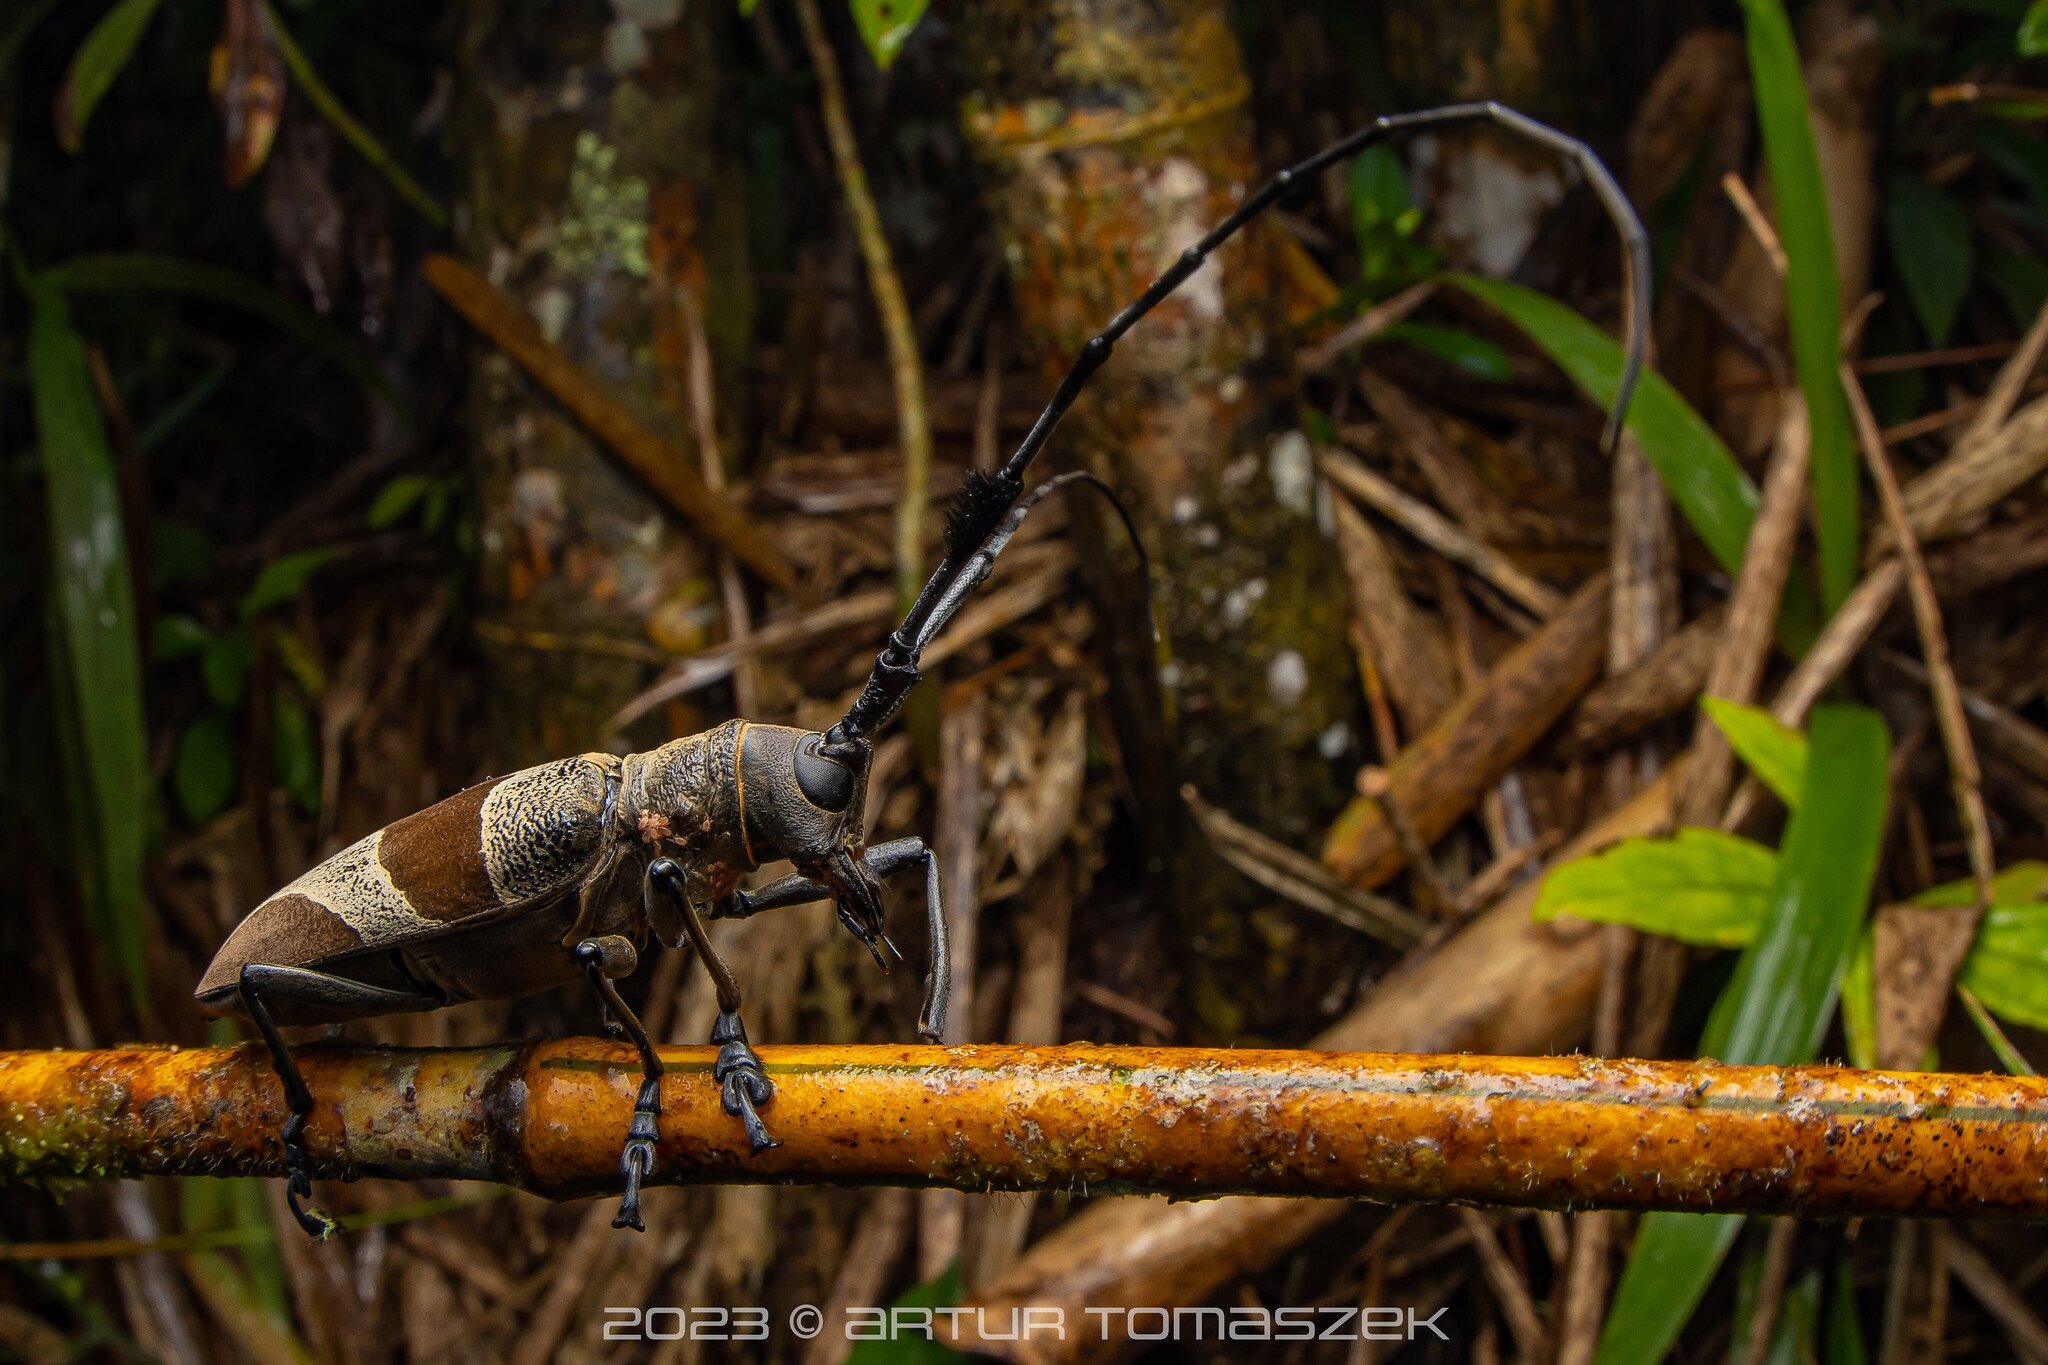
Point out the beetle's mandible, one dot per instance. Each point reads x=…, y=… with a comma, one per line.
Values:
x=565, y=869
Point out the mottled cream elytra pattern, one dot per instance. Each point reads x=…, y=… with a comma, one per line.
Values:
x=514, y=885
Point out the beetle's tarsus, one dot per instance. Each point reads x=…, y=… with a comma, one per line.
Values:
x=744, y=1086
x=298, y=1185
x=637, y=1157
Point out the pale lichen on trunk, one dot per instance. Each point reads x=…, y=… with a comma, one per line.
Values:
x=596, y=193
x=1113, y=135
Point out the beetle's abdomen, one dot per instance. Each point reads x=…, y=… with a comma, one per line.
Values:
x=501, y=844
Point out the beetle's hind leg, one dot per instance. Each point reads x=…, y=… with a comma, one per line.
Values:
x=297, y=1184
x=743, y=1082
x=602, y=959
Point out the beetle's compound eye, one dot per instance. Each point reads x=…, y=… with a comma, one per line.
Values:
x=825, y=782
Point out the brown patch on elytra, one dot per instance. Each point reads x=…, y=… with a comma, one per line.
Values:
x=289, y=930
x=436, y=858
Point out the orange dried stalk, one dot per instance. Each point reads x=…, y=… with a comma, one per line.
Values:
x=549, y=1117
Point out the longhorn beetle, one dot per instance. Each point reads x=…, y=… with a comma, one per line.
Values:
x=513, y=885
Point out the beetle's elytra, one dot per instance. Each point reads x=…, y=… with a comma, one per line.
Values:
x=525, y=882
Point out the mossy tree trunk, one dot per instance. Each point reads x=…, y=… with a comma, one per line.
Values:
x=1113, y=134
x=596, y=195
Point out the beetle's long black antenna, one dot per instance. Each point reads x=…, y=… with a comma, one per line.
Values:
x=979, y=513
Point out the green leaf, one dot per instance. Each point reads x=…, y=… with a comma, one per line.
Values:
x=95, y=626
x=2007, y=967
x=295, y=749
x=1699, y=885
x=885, y=26
x=1784, y=990
x=1672, y=1263
x=224, y=667
x=2033, y=35
x=396, y=498
x=1775, y=752
x=1467, y=350
x=1384, y=218
x=135, y=272
x=1842, y=1343
x=747, y=8
x=1379, y=191
x=94, y=66
x=1813, y=293
x=2024, y=881
x=300, y=661
x=909, y=1348
x=204, y=775
x=178, y=636
x=282, y=580
x=1716, y=498
x=1776, y=1008
x=1929, y=235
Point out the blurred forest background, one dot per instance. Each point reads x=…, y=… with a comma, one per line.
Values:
x=392, y=395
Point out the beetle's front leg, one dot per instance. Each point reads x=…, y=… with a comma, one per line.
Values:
x=603, y=959
x=883, y=861
x=743, y=1082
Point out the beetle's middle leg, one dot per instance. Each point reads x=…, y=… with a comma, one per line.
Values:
x=738, y=1070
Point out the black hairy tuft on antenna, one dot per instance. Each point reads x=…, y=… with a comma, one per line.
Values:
x=976, y=510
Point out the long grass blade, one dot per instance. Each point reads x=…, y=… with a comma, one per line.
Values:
x=1813, y=292
x=95, y=620
x=1777, y=1007
x=137, y=272
x=95, y=65
x=1716, y=498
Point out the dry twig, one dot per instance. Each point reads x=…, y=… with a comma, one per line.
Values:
x=1920, y=951
x=644, y=452
x=906, y=367
x=1529, y=1131
x=1430, y=527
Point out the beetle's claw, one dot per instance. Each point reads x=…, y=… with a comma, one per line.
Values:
x=299, y=1186
x=743, y=1085
x=637, y=1158
x=638, y=1163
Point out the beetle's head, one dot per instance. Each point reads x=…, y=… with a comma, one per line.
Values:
x=802, y=797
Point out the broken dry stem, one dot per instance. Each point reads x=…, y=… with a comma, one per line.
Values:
x=638, y=447
x=548, y=1117
x=906, y=367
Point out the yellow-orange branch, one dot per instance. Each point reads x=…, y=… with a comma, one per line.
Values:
x=550, y=1116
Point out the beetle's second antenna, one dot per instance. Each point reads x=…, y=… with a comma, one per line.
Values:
x=987, y=512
